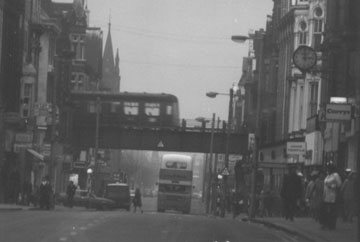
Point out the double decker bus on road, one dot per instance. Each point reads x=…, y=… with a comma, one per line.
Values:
x=175, y=183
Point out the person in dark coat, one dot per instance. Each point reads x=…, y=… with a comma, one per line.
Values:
x=70, y=192
x=137, y=200
x=290, y=193
x=45, y=192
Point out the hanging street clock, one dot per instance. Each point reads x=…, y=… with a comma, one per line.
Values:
x=304, y=58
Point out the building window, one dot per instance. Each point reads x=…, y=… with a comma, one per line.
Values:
x=27, y=90
x=273, y=155
x=318, y=29
x=78, y=45
x=313, y=102
x=301, y=108
x=302, y=33
x=318, y=12
x=77, y=81
x=26, y=99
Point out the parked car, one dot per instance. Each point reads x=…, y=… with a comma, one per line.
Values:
x=99, y=203
x=120, y=194
x=80, y=198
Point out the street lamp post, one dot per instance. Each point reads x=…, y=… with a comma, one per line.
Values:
x=227, y=144
x=96, y=150
x=241, y=39
x=210, y=164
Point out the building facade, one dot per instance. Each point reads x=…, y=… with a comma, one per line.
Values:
x=341, y=76
x=43, y=59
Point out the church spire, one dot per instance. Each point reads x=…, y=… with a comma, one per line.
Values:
x=110, y=72
x=108, y=51
x=117, y=62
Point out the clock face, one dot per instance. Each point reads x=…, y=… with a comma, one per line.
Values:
x=304, y=58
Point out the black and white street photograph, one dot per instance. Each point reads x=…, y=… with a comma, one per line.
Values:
x=179, y=120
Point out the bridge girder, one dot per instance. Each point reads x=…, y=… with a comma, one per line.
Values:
x=159, y=140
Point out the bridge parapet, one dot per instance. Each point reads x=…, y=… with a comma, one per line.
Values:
x=150, y=139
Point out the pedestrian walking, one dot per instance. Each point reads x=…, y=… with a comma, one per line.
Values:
x=348, y=196
x=27, y=191
x=137, y=200
x=70, y=192
x=308, y=194
x=329, y=209
x=316, y=195
x=291, y=193
x=238, y=203
x=45, y=192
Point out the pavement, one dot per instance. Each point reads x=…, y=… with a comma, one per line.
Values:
x=307, y=229
x=15, y=207
x=302, y=227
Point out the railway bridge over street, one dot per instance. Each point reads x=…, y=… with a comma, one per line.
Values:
x=143, y=121
x=157, y=139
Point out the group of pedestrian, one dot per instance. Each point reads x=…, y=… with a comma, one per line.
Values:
x=325, y=195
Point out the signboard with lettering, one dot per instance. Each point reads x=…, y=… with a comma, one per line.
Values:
x=338, y=112
x=295, y=148
x=23, y=137
x=12, y=117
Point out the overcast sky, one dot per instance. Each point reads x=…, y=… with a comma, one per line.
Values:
x=182, y=47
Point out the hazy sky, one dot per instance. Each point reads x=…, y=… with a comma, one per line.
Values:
x=182, y=47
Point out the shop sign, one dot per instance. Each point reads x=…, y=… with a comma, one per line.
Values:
x=79, y=165
x=295, y=148
x=18, y=147
x=12, y=117
x=46, y=149
x=338, y=112
x=23, y=137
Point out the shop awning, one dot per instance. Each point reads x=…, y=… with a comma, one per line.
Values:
x=36, y=154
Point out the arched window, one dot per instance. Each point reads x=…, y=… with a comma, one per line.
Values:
x=302, y=33
x=318, y=27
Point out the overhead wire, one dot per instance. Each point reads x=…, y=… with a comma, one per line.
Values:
x=179, y=65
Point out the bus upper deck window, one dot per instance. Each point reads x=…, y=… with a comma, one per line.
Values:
x=176, y=165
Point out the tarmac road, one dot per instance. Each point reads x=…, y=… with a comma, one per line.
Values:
x=81, y=225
